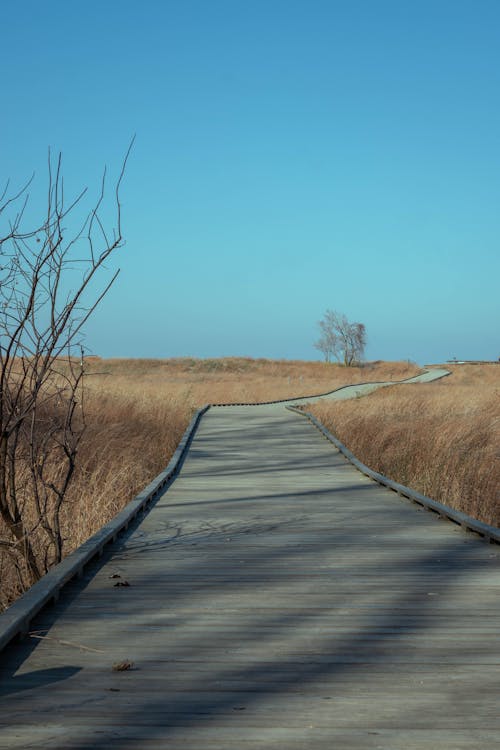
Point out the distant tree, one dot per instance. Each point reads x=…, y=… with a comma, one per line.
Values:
x=340, y=339
x=327, y=343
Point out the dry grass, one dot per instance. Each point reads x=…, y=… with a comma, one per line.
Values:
x=442, y=439
x=232, y=379
x=137, y=411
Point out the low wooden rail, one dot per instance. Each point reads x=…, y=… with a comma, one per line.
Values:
x=16, y=619
x=273, y=597
x=314, y=396
x=489, y=533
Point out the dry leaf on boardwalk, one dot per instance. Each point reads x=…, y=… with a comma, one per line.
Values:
x=122, y=666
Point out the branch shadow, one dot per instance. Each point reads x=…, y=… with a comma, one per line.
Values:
x=269, y=620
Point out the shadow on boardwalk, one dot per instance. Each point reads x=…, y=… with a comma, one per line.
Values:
x=282, y=611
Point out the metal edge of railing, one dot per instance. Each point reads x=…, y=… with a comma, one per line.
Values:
x=489, y=533
x=329, y=393
x=16, y=619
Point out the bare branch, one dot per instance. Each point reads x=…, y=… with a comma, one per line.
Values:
x=341, y=339
x=41, y=389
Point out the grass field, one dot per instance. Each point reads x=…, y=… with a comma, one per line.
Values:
x=440, y=438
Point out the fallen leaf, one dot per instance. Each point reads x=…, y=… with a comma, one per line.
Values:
x=122, y=666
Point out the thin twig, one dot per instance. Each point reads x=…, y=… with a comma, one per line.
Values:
x=36, y=634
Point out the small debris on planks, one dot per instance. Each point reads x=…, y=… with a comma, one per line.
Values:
x=122, y=666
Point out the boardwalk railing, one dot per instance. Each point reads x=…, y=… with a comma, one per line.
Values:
x=489, y=533
x=16, y=619
x=314, y=396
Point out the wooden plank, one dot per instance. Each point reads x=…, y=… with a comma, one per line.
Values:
x=16, y=620
x=277, y=599
x=487, y=532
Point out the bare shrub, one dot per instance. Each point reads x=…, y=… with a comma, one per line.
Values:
x=48, y=276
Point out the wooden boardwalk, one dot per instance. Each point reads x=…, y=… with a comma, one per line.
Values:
x=277, y=599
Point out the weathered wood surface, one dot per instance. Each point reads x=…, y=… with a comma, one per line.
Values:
x=277, y=599
x=17, y=619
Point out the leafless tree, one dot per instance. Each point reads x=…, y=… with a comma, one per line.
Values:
x=340, y=339
x=48, y=280
x=327, y=343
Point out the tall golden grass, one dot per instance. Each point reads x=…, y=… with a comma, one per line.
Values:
x=231, y=379
x=137, y=411
x=441, y=439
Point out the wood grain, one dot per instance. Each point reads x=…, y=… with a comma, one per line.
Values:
x=278, y=599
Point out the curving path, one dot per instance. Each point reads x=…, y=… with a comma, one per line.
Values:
x=277, y=599
x=364, y=389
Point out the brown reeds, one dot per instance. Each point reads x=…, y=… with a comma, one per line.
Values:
x=441, y=439
x=137, y=411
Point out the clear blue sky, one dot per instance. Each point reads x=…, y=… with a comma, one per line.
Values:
x=291, y=156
